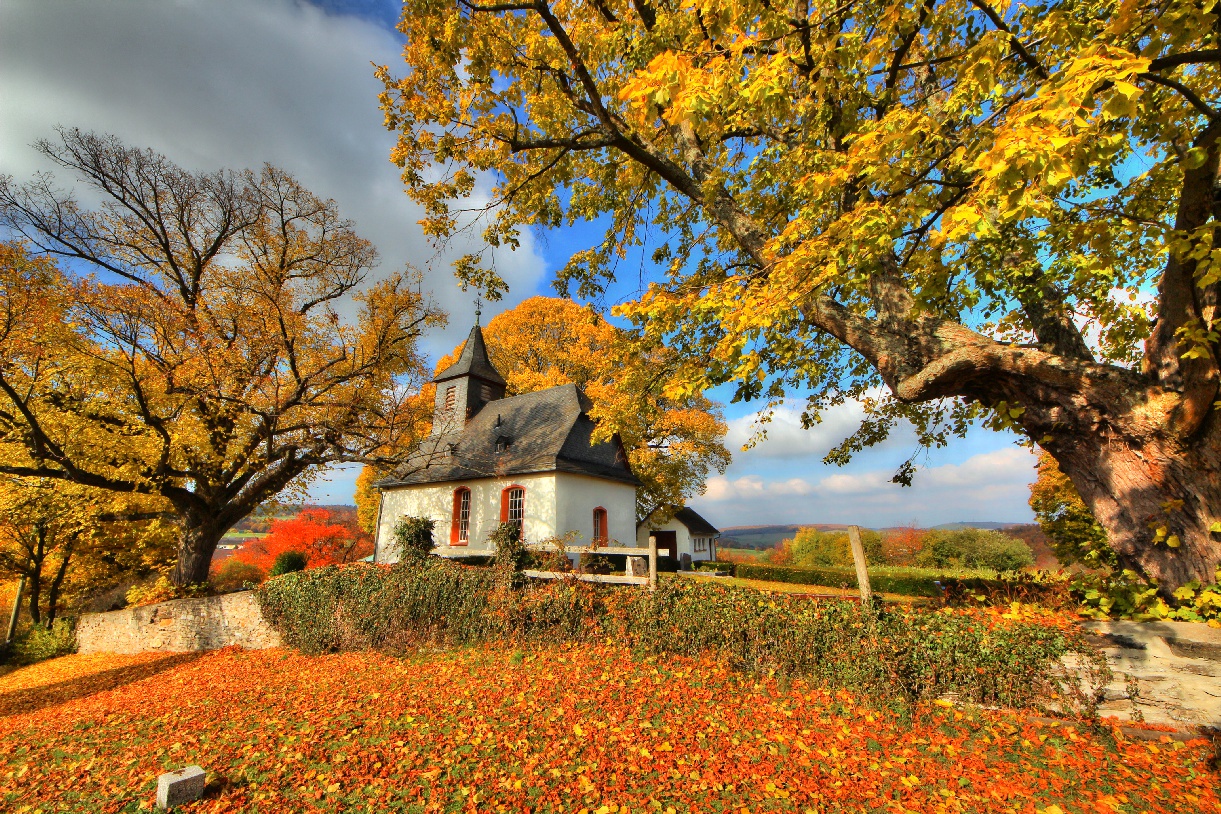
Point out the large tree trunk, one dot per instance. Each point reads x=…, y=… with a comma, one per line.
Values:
x=58, y=582
x=35, y=591
x=1157, y=500
x=196, y=544
x=1143, y=455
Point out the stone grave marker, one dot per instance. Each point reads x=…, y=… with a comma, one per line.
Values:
x=182, y=786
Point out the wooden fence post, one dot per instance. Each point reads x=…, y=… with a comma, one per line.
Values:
x=652, y=563
x=858, y=557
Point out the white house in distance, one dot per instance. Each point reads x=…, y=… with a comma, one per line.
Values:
x=525, y=460
x=684, y=533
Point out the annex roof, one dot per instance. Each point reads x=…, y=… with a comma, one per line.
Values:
x=545, y=431
x=691, y=519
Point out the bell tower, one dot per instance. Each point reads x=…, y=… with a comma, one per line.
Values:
x=466, y=386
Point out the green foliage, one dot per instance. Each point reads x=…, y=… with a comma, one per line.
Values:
x=413, y=537
x=718, y=567
x=38, y=643
x=901, y=652
x=903, y=581
x=597, y=563
x=162, y=590
x=511, y=555
x=976, y=548
x=905, y=653
x=811, y=548
x=288, y=562
x=233, y=575
x=1126, y=595
x=1068, y=523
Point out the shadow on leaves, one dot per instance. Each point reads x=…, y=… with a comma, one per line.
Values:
x=33, y=699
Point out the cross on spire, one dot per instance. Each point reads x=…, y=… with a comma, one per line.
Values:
x=478, y=309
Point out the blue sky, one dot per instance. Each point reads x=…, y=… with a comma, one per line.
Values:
x=235, y=83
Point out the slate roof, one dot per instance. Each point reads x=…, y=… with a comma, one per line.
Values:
x=473, y=361
x=545, y=431
x=692, y=520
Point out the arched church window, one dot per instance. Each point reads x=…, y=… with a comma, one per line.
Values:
x=460, y=529
x=600, y=534
x=513, y=506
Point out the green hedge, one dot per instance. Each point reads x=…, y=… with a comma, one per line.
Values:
x=891, y=652
x=1006, y=587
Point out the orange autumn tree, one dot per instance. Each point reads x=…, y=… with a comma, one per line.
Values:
x=964, y=204
x=903, y=544
x=229, y=345
x=312, y=533
x=673, y=440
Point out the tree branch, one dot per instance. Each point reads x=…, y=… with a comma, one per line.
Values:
x=1188, y=58
x=1187, y=93
x=1016, y=43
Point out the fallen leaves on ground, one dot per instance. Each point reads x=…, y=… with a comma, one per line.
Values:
x=564, y=728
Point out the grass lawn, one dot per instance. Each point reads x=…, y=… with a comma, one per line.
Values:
x=796, y=588
x=561, y=728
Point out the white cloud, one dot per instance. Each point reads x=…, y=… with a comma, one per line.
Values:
x=787, y=439
x=233, y=83
x=988, y=486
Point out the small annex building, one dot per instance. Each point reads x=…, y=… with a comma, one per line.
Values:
x=492, y=459
x=685, y=532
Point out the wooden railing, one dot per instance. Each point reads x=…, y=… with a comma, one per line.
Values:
x=451, y=551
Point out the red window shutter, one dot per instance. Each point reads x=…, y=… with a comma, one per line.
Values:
x=453, y=527
x=504, y=505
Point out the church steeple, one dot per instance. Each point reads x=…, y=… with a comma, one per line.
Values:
x=466, y=386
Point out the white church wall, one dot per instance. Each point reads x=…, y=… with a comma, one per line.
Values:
x=437, y=501
x=578, y=495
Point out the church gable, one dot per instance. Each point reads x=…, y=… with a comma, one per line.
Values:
x=478, y=433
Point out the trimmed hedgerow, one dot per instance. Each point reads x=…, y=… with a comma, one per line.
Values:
x=899, y=652
x=1012, y=586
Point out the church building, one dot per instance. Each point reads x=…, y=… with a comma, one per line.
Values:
x=526, y=460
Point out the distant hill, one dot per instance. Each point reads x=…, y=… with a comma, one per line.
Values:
x=768, y=536
x=973, y=524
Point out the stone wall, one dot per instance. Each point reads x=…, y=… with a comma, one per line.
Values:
x=1174, y=668
x=208, y=623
